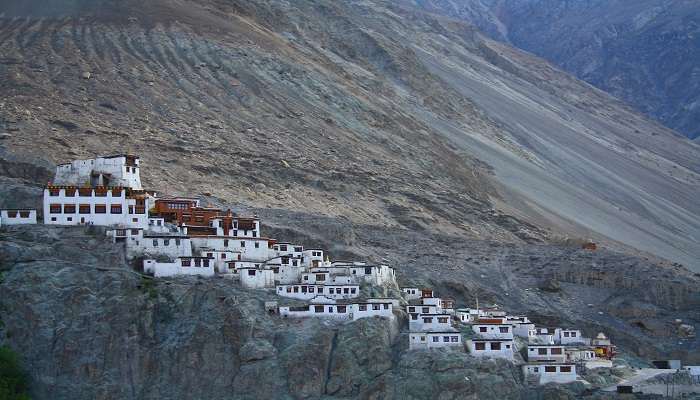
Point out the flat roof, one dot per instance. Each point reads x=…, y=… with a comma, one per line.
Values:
x=161, y=236
x=547, y=363
x=318, y=284
x=230, y=237
x=117, y=156
x=208, y=258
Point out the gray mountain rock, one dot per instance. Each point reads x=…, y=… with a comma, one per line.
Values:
x=644, y=52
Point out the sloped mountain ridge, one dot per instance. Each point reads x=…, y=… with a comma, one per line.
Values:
x=644, y=52
x=374, y=111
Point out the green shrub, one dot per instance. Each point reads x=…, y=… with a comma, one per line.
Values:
x=13, y=381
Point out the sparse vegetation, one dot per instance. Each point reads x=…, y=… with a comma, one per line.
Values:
x=14, y=384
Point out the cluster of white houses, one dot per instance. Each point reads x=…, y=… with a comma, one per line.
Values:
x=550, y=354
x=178, y=236
x=430, y=320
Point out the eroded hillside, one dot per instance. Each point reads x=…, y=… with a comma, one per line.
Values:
x=383, y=114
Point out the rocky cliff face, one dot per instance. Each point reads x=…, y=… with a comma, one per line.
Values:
x=644, y=52
x=88, y=327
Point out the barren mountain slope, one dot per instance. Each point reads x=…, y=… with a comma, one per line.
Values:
x=380, y=113
x=645, y=52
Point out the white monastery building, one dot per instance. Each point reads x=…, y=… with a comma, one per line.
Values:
x=550, y=372
x=429, y=340
x=351, y=311
x=494, y=348
x=17, y=217
x=178, y=236
x=120, y=170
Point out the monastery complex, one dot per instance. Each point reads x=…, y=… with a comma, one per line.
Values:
x=180, y=236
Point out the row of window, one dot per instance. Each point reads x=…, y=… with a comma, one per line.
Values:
x=256, y=244
x=445, y=339
x=14, y=213
x=297, y=249
x=542, y=351
x=424, y=310
x=553, y=368
x=85, y=192
x=166, y=242
x=494, y=346
x=429, y=320
x=88, y=209
x=198, y=262
x=320, y=289
x=569, y=334
x=501, y=329
x=319, y=277
x=341, y=309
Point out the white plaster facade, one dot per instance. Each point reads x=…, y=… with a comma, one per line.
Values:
x=414, y=310
x=568, y=336
x=85, y=206
x=541, y=336
x=430, y=340
x=494, y=348
x=257, y=278
x=430, y=322
x=24, y=216
x=120, y=170
x=411, y=293
x=577, y=354
x=139, y=243
x=493, y=331
x=308, y=292
x=251, y=249
x=377, y=275
x=550, y=372
x=353, y=311
x=546, y=353
x=181, y=266
x=159, y=225
x=313, y=258
x=468, y=315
